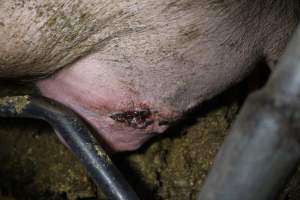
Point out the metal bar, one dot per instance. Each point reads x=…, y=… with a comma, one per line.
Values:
x=262, y=151
x=78, y=138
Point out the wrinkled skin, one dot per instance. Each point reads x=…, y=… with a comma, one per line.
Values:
x=132, y=68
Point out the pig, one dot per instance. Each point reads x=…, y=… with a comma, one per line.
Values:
x=132, y=68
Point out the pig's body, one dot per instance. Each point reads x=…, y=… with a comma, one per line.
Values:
x=131, y=68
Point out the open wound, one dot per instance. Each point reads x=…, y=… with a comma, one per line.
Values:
x=133, y=118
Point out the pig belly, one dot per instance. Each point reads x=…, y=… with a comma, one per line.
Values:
x=141, y=81
x=129, y=102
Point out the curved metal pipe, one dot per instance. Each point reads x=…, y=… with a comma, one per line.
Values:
x=263, y=149
x=77, y=136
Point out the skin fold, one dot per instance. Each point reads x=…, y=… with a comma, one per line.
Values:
x=132, y=68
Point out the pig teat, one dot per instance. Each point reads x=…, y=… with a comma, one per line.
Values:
x=124, y=117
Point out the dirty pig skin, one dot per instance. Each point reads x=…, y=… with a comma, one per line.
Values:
x=131, y=68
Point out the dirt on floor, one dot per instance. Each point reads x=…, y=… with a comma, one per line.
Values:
x=36, y=166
